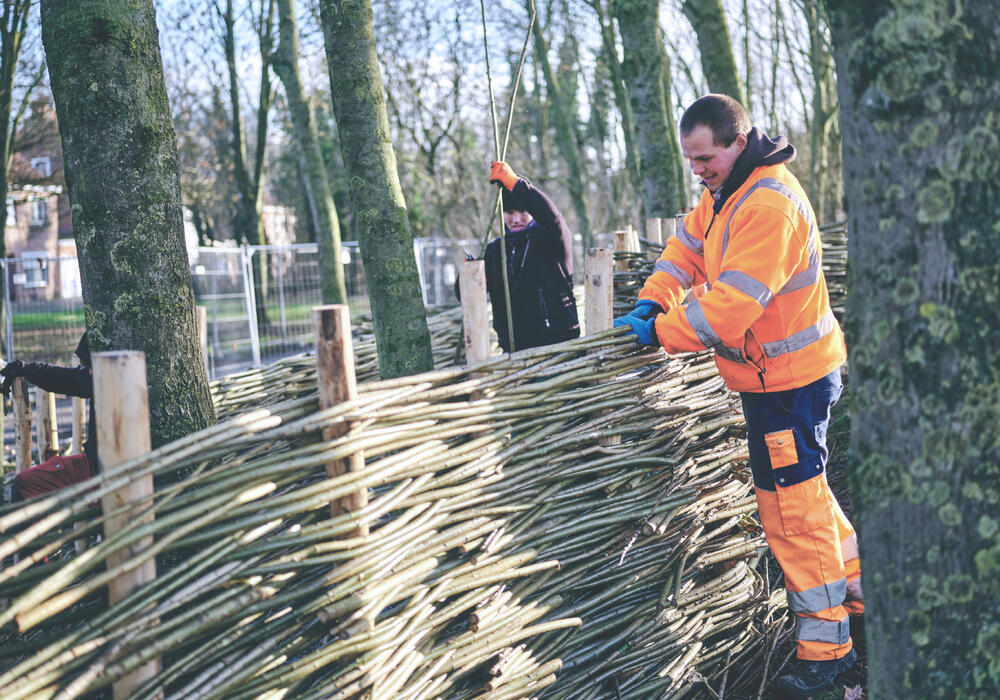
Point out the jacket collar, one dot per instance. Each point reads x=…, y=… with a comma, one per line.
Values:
x=761, y=150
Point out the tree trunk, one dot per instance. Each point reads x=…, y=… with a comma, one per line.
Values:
x=401, y=334
x=565, y=132
x=644, y=68
x=317, y=187
x=122, y=173
x=718, y=62
x=610, y=49
x=919, y=91
x=248, y=224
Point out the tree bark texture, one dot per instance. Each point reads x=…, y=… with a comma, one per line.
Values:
x=646, y=72
x=565, y=132
x=715, y=44
x=401, y=334
x=122, y=174
x=921, y=116
x=318, y=195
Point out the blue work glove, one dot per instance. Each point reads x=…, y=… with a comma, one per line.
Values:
x=642, y=321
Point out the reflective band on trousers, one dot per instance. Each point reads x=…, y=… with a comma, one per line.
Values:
x=674, y=271
x=809, y=629
x=827, y=595
x=796, y=341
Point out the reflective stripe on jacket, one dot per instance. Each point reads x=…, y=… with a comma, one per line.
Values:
x=767, y=310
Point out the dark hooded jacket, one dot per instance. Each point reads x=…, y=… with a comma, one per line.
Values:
x=70, y=381
x=539, y=274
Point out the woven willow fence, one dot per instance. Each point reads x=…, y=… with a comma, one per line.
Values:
x=573, y=521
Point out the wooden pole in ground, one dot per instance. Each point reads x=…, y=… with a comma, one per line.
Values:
x=121, y=399
x=22, y=424
x=47, y=426
x=201, y=317
x=598, y=289
x=653, y=235
x=337, y=383
x=668, y=227
x=599, y=301
x=76, y=446
x=475, y=325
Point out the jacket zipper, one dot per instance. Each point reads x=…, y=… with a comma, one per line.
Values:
x=544, y=308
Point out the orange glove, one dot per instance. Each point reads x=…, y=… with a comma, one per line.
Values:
x=501, y=174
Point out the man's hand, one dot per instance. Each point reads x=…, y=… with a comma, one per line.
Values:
x=642, y=321
x=501, y=174
x=10, y=372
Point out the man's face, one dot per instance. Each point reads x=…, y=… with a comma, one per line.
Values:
x=708, y=161
x=517, y=220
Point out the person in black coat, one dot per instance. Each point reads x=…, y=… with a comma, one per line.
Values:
x=62, y=470
x=539, y=267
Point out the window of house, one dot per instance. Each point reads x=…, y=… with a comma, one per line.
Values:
x=39, y=212
x=43, y=164
x=11, y=213
x=35, y=264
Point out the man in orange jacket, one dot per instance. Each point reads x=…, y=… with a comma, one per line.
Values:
x=753, y=241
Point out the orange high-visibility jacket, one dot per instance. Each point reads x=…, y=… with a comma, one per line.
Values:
x=767, y=310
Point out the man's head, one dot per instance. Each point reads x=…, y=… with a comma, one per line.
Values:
x=713, y=135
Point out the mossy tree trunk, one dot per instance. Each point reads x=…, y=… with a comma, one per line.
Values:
x=120, y=157
x=564, y=118
x=318, y=195
x=921, y=113
x=718, y=61
x=401, y=335
x=646, y=72
x=824, y=129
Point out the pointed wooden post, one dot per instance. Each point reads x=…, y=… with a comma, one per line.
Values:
x=121, y=399
x=668, y=227
x=22, y=424
x=598, y=288
x=472, y=286
x=337, y=383
x=47, y=426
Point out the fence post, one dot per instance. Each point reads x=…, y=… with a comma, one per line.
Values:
x=598, y=289
x=76, y=444
x=122, y=402
x=201, y=320
x=668, y=227
x=251, y=301
x=624, y=243
x=472, y=285
x=337, y=383
x=22, y=424
x=47, y=425
x=8, y=316
x=654, y=236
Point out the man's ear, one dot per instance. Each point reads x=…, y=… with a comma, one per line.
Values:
x=741, y=142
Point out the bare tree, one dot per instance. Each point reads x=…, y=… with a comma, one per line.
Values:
x=120, y=158
x=708, y=20
x=401, y=334
x=318, y=196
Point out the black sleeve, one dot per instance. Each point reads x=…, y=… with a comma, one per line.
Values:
x=556, y=235
x=69, y=381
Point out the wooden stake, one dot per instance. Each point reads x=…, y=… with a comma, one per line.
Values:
x=48, y=427
x=122, y=402
x=201, y=318
x=653, y=235
x=598, y=287
x=22, y=424
x=76, y=446
x=472, y=285
x=622, y=245
x=335, y=377
x=668, y=227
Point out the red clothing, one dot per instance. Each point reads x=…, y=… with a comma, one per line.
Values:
x=51, y=475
